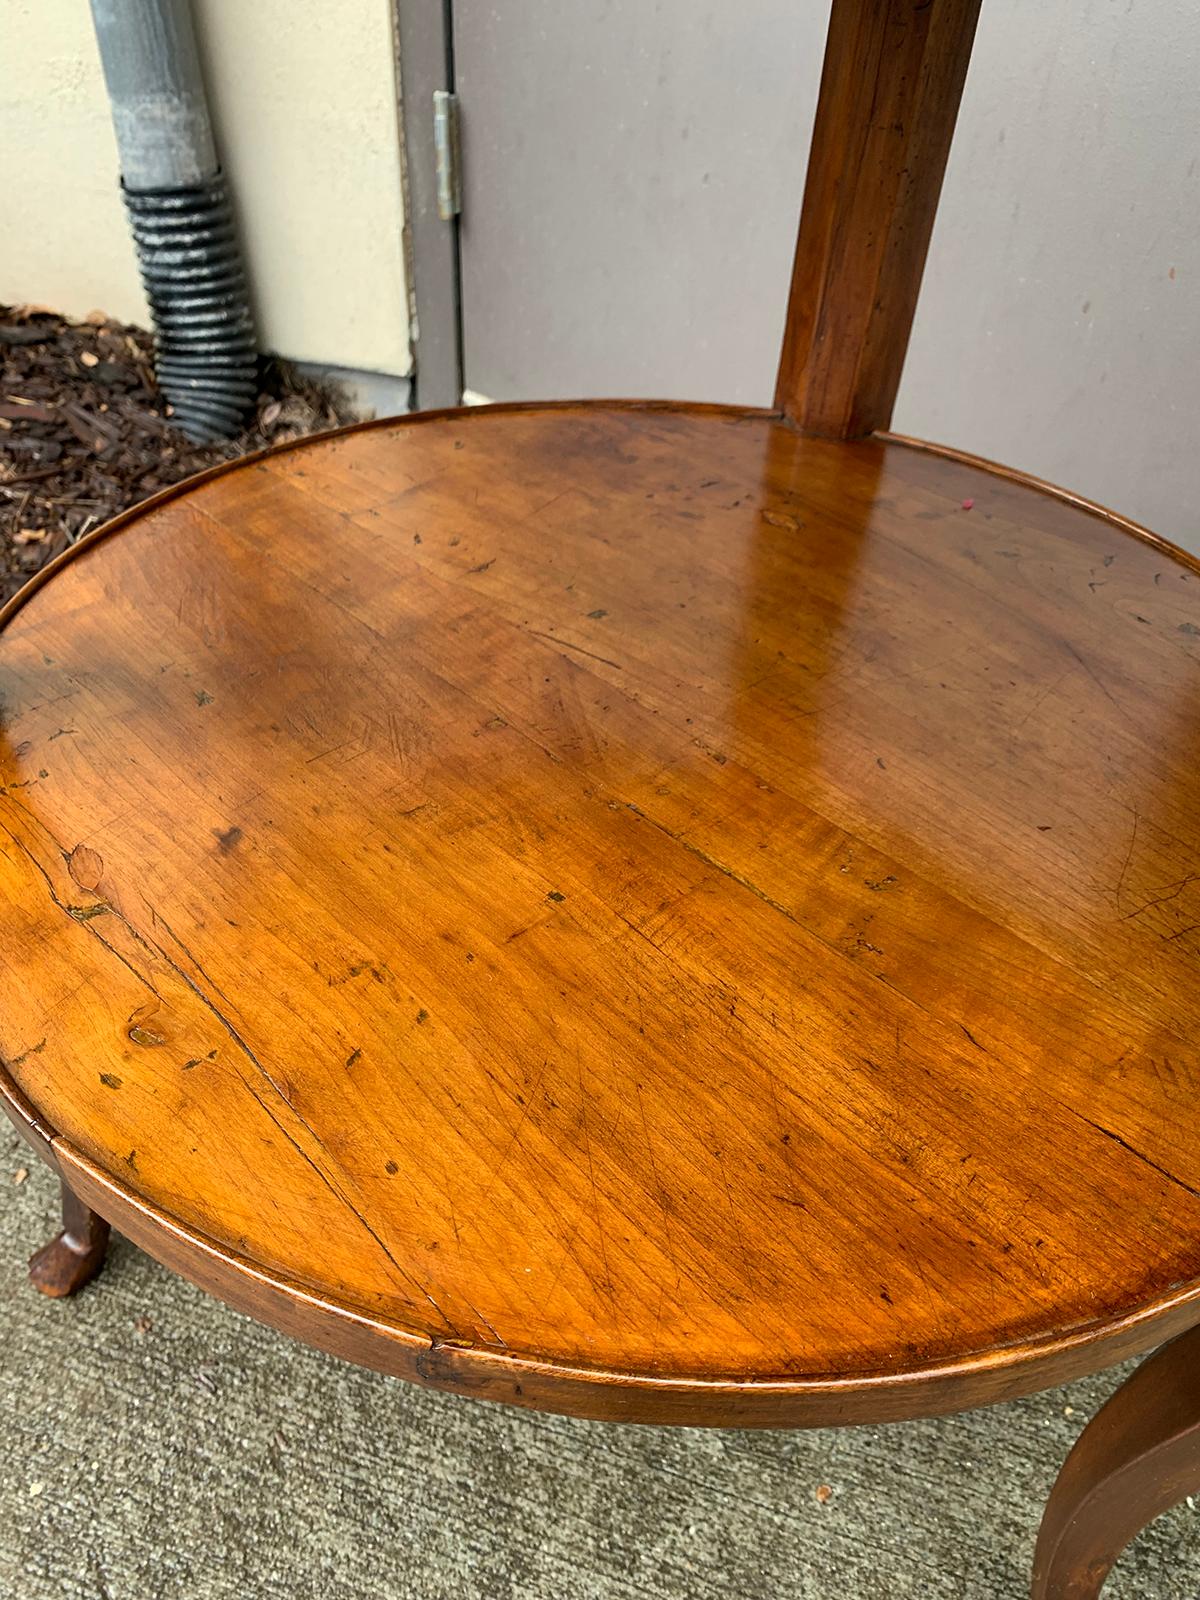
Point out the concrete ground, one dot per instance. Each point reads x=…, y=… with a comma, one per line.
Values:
x=155, y=1445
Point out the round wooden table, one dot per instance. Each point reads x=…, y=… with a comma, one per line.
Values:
x=623, y=909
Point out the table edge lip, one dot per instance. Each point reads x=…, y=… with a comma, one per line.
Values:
x=470, y=414
x=873, y=1395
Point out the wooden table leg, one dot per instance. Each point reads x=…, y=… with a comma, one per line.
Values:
x=1139, y=1455
x=75, y=1255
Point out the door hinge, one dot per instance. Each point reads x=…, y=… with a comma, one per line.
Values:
x=446, y=154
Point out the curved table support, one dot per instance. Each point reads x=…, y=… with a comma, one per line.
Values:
x=74, y=1256
x=1139, y=1456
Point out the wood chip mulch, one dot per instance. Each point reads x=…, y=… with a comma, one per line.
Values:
x=84, y=432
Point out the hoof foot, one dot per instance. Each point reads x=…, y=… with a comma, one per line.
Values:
x=75, y=1256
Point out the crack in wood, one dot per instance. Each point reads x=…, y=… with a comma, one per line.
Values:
x=151, y=949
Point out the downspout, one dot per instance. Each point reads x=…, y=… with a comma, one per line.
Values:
x=182, y=224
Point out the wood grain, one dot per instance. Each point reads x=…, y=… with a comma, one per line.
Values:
x=893, y=76
x=624, y=909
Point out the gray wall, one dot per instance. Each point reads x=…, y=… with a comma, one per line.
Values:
x=1059, y=322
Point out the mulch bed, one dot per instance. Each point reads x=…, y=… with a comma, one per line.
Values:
x=84, y=432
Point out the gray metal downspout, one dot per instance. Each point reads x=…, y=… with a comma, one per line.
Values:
x=179, y=212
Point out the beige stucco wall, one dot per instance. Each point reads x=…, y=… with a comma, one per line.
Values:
x=304, y=101
x=64, y=242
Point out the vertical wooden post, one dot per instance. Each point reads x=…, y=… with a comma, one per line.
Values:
x=893, y=77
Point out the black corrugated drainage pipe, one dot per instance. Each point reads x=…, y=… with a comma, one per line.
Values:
x=179, y=212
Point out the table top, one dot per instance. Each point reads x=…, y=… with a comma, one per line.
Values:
x=623, y=908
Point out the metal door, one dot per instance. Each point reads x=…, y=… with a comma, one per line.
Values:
x=632, y=173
